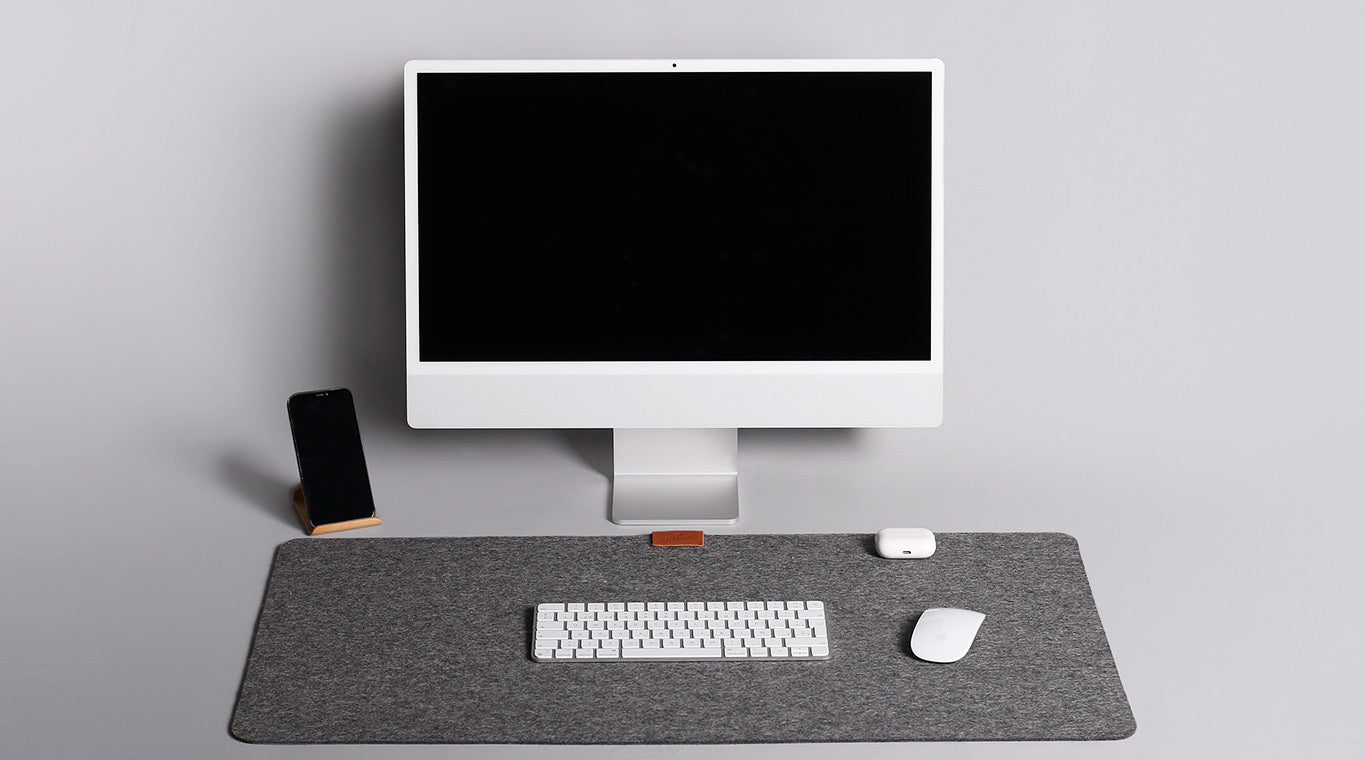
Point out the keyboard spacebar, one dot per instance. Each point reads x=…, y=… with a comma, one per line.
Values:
x=695, y=653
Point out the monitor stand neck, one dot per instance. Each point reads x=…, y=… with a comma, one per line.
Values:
x=676, y=477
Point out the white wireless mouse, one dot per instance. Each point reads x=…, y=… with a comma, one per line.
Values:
x=905, y=543
x=944, y=634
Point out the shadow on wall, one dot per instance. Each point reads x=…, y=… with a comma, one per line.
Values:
x=365, y=186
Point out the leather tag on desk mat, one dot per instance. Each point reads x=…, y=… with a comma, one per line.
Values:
x=679, y=538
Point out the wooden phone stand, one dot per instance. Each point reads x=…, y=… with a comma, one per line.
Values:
x=313, y=530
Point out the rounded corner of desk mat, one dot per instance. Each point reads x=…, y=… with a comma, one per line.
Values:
x=293, y=546
x=1127, y=728
x=1064, y=539
x=244, y=733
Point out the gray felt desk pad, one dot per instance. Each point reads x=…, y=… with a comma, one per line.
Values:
x=428, y=640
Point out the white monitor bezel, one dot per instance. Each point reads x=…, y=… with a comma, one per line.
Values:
x=677, y=394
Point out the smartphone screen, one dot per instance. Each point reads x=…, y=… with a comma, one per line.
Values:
x=336, y=485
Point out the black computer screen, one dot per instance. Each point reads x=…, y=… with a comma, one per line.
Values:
x=674, y=216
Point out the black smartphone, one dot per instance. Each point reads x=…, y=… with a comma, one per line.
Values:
x=336, y=485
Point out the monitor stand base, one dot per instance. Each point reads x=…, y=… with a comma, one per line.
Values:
x=676, y=477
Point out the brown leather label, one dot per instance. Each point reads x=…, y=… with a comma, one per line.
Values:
x=679, y=538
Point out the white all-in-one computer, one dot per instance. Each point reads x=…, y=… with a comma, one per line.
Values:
x=674, y=249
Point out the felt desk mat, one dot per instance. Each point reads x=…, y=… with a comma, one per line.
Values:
x=427, y=640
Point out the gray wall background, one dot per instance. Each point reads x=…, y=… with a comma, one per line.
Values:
x=1153, y=333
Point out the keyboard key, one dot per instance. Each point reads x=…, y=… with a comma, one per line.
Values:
x=676, y=654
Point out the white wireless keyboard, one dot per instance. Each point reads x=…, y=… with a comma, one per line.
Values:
x=653, y=631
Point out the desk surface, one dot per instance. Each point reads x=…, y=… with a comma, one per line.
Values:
x=141, y=635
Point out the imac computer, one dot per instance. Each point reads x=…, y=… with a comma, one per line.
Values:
x=674, y=249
